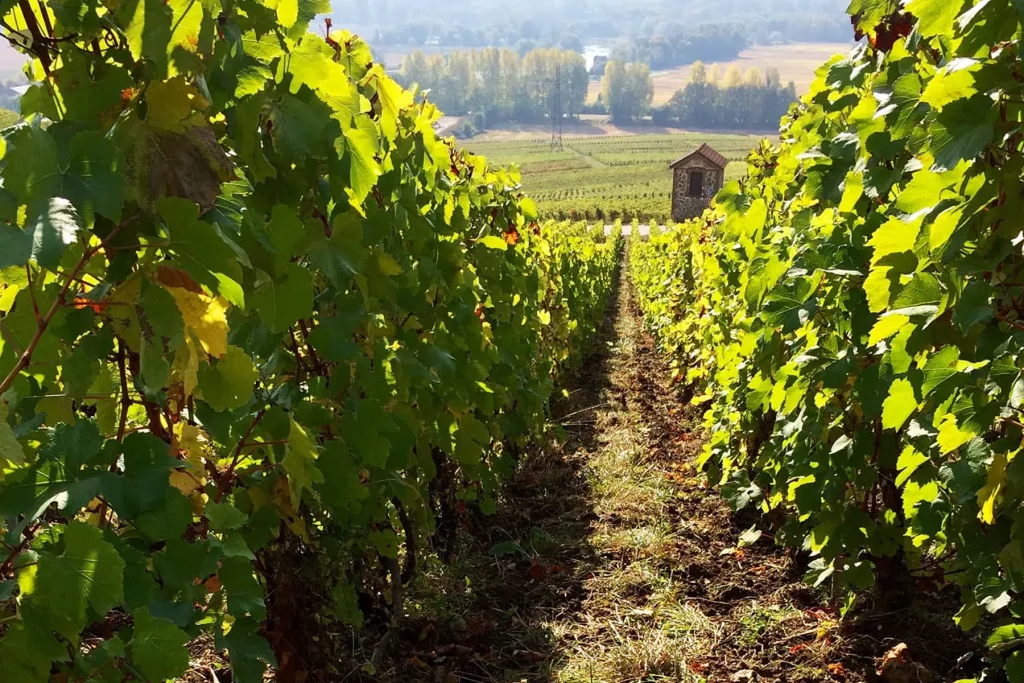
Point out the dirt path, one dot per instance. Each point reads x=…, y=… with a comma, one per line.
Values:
x=610, y=561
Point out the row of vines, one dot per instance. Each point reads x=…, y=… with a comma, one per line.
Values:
x=851, y=315
x=263, y=337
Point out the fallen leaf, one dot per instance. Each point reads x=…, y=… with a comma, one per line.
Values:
x=894, y=657
x=536, y=571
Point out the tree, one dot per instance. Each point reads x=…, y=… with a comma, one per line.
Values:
x=525, y=46
x=699, y=73
x=628, y=90
x=733, y=77
x=753, y=103
x=572, y=42
x=414, y=69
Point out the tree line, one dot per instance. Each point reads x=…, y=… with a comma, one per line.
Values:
x=478, y=24
x=498, y=85
x=676, y=45
x=627, y=90
x=753, y=101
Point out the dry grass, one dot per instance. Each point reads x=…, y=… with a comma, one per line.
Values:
x=795, y=62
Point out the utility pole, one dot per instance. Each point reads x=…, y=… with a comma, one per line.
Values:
x=556, y=112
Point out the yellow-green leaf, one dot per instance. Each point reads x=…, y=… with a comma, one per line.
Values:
x=887, y=326
x=899, y=405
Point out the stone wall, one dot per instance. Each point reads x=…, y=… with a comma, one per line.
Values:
x=684, y=206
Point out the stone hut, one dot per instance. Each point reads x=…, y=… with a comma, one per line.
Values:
x=697, y=177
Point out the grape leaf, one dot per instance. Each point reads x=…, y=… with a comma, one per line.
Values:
x=205, y=317
x=300, y=462
x=228, y=384
x=201, y=249
x=281, y=302
x=224, y=516
x=158, y=647
x=899, y=405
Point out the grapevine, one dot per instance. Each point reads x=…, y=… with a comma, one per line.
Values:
x=252, y=312
x=849, y=315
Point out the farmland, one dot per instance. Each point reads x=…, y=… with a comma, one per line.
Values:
x=794, y=61
x=607, y=177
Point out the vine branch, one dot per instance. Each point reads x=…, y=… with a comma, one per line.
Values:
x=44, y=322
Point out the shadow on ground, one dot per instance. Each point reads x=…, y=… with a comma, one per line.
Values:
x=526, y=564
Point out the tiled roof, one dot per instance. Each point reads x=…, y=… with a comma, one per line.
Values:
x=708, y=153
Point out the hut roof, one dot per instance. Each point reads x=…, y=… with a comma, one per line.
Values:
x=706, y=151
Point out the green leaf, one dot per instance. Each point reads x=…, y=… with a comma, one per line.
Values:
x=89, y=572
x=170, y=521
x=922, y=193
x=249, y=652
x=300, y=461
x=345, y=604
x=974, y=306
x=361, y=150
x=342, y=487
x=951, y=436
x=245, y=595
x=201, y=250
x=886, y=326
x=281, y=302
x=97, y=564
x=287, y=12
x=899, y=405
x=936, y=17
x=1015, y=666
x=10, y=449
x=154, y=366
x=386, y=542
x=283, y=233
x=302, y=127
x=962, y=130
x=224, y=516
x=494, y=242
x=940, y=368
x=1006, y=636
x=955, y=81
x=158, y=647
x=27, y=653
x=53, y=228
x=944, y=226
x=909, y=461
x=82, y=167
x=893, y=237
x=228, y=384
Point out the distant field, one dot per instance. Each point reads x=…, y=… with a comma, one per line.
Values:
x=796, y=62
x=607, y=177
x=596, y=125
